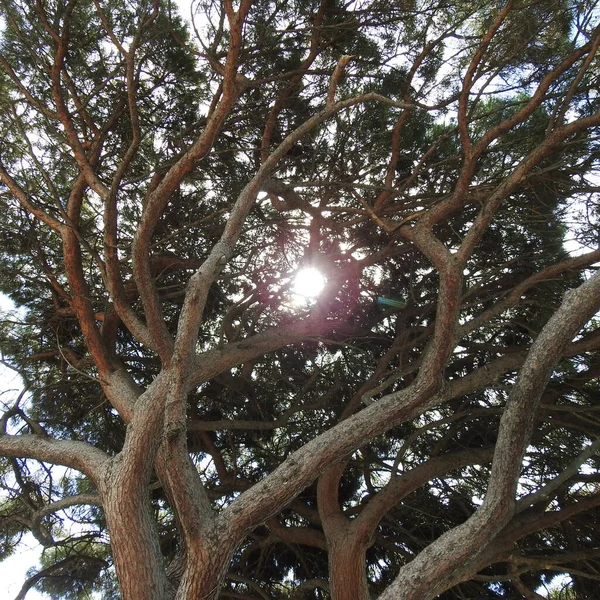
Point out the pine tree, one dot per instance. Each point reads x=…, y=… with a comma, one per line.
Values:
x=192, y=423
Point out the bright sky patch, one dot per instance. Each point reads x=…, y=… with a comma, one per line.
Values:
x=308, y=283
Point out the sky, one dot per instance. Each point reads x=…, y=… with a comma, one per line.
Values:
x=13, y=570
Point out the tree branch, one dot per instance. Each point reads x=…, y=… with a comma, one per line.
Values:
x=74, y=454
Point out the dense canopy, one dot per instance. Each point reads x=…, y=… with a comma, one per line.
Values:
x=195, y=422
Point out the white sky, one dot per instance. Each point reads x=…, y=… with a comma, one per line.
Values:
x=13, y=570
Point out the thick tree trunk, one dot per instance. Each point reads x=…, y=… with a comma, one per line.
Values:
x=139, y=563
x=206, y=563
x=135, y=549
x=347, y=575
x=347, y=565
x=202, y=578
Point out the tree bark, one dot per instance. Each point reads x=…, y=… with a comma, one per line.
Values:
x=134, y=539
x=347, y=574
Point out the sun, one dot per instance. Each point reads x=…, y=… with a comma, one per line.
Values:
x=308, y=283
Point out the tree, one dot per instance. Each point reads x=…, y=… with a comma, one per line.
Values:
x=191, y=425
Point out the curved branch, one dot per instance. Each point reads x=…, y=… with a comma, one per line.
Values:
x=158, y=197
x=400, y=486
x=64, y=565
x=69, y=453
x=78, y=499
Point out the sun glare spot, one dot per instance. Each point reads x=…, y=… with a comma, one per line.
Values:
x=308, y=283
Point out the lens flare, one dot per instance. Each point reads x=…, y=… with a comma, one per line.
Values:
x=308, y=283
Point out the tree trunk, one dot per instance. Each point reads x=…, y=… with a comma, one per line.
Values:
x=135, y=549
x=347, y=574
x=202, y=577
x=133, y=536
x=206, y=562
